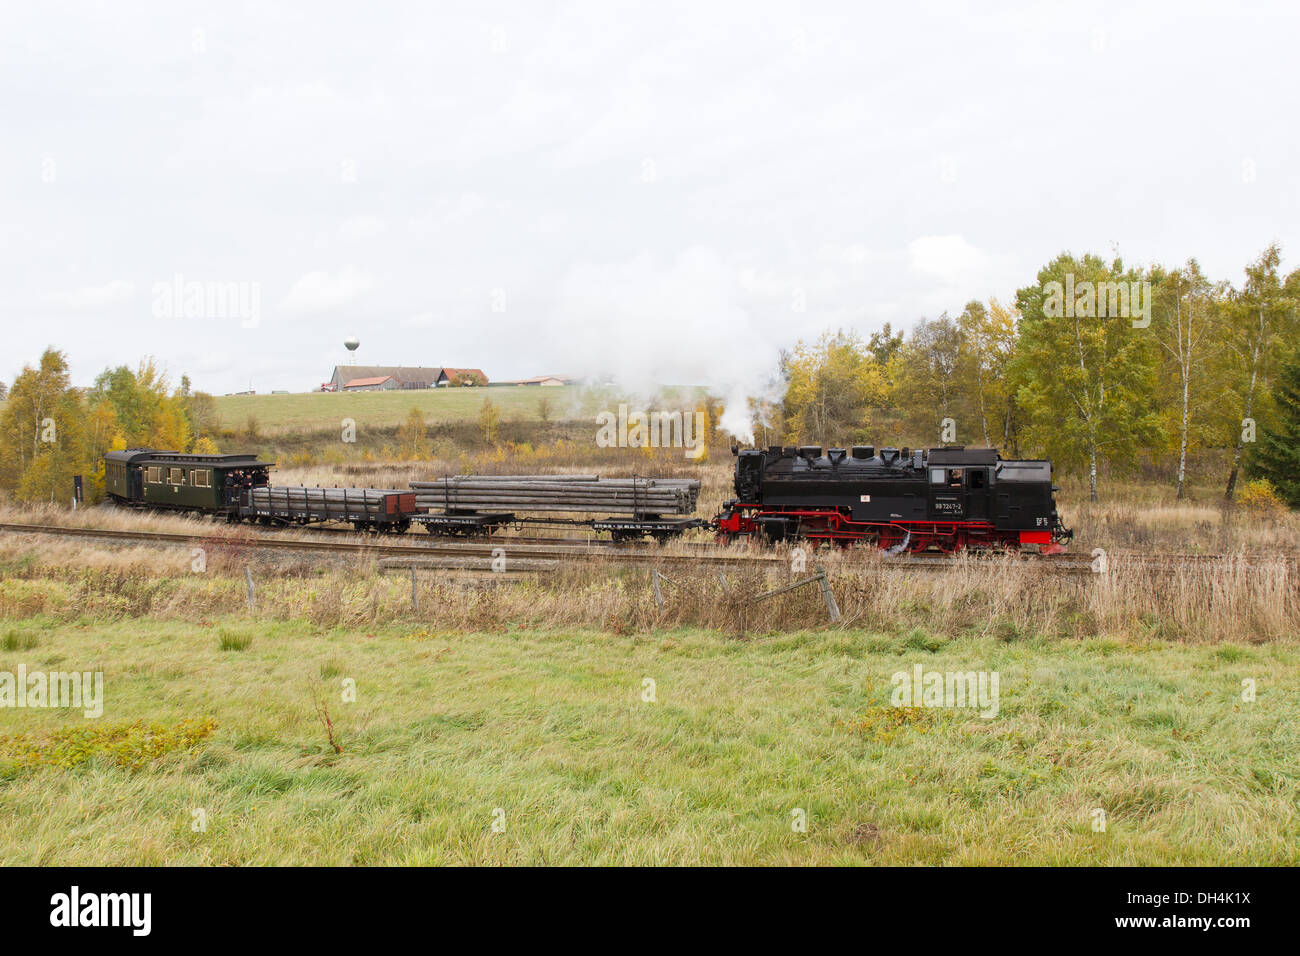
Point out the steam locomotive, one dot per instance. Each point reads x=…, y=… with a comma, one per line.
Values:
x=944, y=499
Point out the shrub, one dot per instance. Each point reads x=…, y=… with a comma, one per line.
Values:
x=1261, y=497
x=131, y=746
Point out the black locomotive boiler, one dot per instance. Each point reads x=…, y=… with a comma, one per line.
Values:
x=944, y=499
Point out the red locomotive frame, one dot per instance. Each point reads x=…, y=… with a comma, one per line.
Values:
x=833, y=525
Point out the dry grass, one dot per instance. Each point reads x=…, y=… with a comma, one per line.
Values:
x=1238, y=598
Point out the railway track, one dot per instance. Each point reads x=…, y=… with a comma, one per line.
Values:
x=385, y=547
x=559, y=550
x=569, y=549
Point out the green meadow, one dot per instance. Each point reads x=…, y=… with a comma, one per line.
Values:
x=233, y=741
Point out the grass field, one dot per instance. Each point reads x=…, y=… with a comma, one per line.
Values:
x=547, y=734
x=321, y=411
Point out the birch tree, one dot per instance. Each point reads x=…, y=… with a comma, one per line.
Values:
x=1186, y=326
x=1257, y=313
x=1086, y=380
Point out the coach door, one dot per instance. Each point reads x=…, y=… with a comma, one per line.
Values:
x=977, y=494
x=135, y=483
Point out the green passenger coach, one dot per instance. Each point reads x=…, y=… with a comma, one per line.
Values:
x=166, y=479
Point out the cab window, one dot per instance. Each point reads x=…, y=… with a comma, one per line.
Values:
x=975, y=478
x=954, y=477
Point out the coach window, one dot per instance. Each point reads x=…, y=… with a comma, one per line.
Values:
x=153, y=475
x=202, y=478
x=175, y=476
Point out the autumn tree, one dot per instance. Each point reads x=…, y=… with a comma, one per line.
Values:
x=926, y=388
x=489, y=420
x=1086, y=379
x=831, y=387
x=1257, y=315
x=884, y=344
x=43, y=433
x=413, y=437
x=1186, y=322
x=988, y=336
x=39, y=395
x=200, y=410
x=147, y=415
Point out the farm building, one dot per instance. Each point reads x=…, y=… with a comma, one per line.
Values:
x=376, y=383
x=403, y=377
x=462, y=376
x=543, y=380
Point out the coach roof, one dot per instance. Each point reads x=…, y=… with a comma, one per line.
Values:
x=138, y=455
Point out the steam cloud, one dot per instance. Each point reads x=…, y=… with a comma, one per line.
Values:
x=643, y=326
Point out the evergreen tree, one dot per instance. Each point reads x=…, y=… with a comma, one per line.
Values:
x=1277, y=456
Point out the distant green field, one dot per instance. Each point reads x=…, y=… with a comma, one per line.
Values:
x=319, y=411
x=313, y=411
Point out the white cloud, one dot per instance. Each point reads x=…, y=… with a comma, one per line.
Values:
x=320, y=292
x=358, y=228
x=949, y=258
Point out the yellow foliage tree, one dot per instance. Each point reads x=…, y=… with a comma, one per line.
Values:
x=832, y=385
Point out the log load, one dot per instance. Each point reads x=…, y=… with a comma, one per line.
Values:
x=579, y=494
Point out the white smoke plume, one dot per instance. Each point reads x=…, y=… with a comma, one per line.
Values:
x=643, y=325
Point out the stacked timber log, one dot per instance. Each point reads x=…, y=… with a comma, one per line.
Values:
x=340, y=501
x=559, y=493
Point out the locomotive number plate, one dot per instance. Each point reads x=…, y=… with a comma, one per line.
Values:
x=865, y=498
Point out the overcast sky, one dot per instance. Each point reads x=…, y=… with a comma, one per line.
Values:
x=669, y=192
